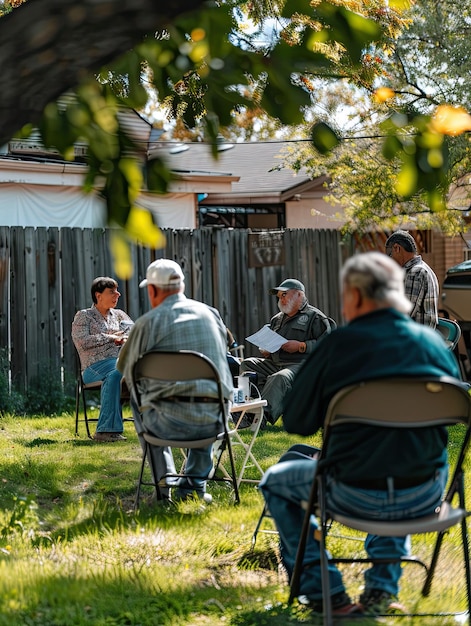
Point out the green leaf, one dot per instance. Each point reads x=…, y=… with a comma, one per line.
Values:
x=296, y=6
x=212, y=131
x=391, y=147
x=352, y=30
x=158, y=175
x=324, y=138
x=117, y=196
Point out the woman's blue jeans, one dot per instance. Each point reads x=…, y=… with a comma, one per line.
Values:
x=285, y=485
x=110, y=419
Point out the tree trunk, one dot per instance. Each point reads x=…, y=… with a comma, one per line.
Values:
x=49, y=46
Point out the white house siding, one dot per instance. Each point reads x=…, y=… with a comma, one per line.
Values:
x=312, y=211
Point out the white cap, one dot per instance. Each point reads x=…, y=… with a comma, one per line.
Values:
x=163, y=273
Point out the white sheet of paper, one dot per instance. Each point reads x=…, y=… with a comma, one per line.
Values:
x=267, y=339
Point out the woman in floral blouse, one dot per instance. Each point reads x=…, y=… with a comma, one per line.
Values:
x=98, y=334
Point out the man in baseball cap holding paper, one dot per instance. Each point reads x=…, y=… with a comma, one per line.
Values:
x=301, y=324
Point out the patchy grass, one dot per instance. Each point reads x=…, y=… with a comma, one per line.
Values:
x=73, y=551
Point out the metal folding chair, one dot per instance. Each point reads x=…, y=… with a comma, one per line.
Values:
x=81, y=390
x=180, y=366
x=397, y=403
x=450, y=330
x=296, y=451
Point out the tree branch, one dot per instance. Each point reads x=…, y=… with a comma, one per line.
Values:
x=50, y=46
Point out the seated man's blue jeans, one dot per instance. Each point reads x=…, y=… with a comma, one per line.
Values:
x=199, y=461
x=110, y=419
x=286, y=485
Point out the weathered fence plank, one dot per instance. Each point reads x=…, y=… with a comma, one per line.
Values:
x=4, y=283
x=18, y=353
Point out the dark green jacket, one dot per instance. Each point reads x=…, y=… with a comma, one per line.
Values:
x=381, y=344
x=309, y=325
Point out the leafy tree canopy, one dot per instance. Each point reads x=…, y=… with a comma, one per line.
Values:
x=205, y=65
x=405, y=136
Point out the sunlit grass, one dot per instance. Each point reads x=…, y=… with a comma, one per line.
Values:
x=73, y=551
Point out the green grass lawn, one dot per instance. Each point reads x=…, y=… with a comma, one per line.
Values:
x=73, y=551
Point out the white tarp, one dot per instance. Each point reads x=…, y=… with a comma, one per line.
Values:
x=173, y=210
x=41, y=205
x=68, y=206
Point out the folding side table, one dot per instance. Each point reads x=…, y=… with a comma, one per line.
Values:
x=250, y=406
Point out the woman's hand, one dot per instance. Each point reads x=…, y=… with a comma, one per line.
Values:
x=120, y=337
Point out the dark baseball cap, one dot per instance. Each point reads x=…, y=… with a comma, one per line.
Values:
x=286, y=285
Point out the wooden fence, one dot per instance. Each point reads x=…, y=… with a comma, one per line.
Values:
x=45, y=277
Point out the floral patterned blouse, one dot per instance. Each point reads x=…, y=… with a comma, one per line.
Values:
x=91, y=334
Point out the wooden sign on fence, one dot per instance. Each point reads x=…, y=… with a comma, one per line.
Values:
x=266, y=249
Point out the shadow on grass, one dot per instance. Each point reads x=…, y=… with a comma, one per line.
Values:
x=39, y=441
x=108, y=516
x=137, y=598
x=259, y=559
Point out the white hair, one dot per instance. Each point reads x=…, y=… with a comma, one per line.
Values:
x=378, y=278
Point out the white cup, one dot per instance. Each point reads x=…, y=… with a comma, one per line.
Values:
x=243, y=382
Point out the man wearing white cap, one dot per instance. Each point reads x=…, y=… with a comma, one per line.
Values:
x=174, y=323
x=302, y=325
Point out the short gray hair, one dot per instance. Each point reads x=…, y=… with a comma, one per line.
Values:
x=378, y=278
x=404, y=239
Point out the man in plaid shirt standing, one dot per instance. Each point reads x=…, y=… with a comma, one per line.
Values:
x=420, y=282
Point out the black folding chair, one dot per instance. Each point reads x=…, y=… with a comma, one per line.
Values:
x=171, y=367
x=397, y=403
x=295, y=452
x=81, y=392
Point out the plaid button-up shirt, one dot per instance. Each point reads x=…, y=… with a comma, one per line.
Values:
x=421, y=287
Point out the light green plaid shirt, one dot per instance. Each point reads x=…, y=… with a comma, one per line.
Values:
x=180, y=323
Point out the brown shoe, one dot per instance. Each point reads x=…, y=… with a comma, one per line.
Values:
x=108, y=437
x=341, y=605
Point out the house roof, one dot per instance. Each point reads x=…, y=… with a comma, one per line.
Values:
x=263, y=177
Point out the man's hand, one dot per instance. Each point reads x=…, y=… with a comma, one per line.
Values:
x=292, y=346
x=264, y=353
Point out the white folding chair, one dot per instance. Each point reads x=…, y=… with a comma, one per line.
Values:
x=396, y=403
x=171, y=367
x=254, y=406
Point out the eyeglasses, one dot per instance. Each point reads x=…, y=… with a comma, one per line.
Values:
x=389, y=251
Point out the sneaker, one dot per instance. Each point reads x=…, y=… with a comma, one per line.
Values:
x=341, y=605
x=108, y=437
x=182, y=496
x=379, y=602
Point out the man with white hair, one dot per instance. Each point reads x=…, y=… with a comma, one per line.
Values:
x=177, y=323
x=372, y=471
x=302, y=325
